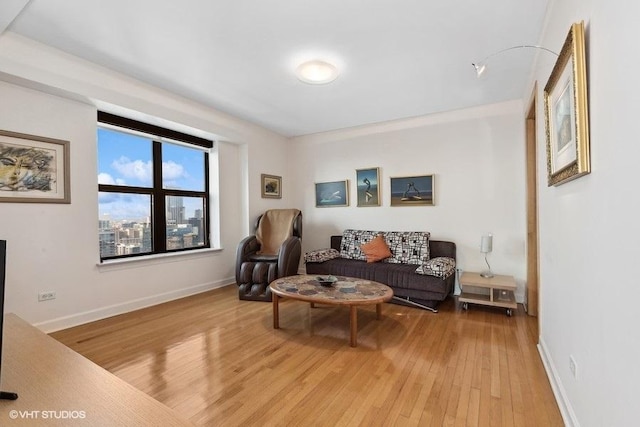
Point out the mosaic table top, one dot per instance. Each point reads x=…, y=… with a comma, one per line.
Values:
x=347, y=290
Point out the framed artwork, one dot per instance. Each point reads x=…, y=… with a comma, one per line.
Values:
x=33, y=169
x=412, y=191
x=271, y=186
x=566, y=115
x=332, y=194
x=367, y=187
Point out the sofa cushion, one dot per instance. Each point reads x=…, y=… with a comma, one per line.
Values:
x=408, y=247
x=376, y=250
x=442, y=267
x=321, y=255
x=352, y=240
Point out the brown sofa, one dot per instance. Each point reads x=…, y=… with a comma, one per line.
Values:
x=409, y=288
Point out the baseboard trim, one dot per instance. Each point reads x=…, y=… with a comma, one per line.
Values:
x=70, y=321
x=566, y=410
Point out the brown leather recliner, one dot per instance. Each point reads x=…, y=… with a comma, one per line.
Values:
x=254, y=271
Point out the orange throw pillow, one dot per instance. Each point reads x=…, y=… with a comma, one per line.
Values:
x=376, y=250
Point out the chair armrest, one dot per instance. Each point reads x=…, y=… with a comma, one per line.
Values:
x=247, y=246
x=289, y=257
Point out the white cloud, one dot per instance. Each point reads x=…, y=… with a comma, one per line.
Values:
x=172, y=170
x=124, y=206
x=142, y=171
x=136, y=169
x=106, y=179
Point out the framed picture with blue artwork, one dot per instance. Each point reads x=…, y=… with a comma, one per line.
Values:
x=332, y=194
x=412, y=191
x=368, y=187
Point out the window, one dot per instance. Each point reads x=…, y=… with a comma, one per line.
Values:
x=153, y=189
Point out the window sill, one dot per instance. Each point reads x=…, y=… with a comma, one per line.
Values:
x=120, y=263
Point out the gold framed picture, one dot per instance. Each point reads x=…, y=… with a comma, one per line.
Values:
x=566, y=115
x=33, y=169
x=271, y=186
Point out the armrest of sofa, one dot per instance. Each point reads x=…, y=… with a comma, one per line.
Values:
x=335, y=242
x=442, y=248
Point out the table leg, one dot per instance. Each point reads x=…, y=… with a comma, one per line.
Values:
x=313, y=305
x=276, y=318
x=354, y=326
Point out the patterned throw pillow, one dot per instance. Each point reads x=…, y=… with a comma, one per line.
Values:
x=376, y=250
x=351, y=242
x=442, y=267
x=408, y=247
x=321, y=255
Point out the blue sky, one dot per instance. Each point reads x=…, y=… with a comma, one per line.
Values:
x=125, y=159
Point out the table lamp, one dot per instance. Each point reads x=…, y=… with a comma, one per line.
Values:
x=486, y=245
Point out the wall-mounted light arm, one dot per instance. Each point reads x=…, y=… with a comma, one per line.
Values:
x=481, y=66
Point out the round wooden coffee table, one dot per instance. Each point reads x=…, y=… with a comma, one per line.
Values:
x=346, y=291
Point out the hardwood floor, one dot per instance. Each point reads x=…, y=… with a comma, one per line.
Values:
x=218, y=361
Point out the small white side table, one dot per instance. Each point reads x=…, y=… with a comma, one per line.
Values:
x=497, y=291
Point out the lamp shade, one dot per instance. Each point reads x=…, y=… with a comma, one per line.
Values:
x=479, y=69
x=486, y=243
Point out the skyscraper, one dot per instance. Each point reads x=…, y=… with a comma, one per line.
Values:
x=175, y=210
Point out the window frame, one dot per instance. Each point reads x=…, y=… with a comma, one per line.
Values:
x=158, y=194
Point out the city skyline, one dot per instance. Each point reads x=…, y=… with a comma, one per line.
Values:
x=127, y=237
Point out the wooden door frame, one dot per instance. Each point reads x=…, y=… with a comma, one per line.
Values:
x=532, y=304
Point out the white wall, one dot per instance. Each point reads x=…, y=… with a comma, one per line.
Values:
x=477, y=156
x=54, y=247
x=588, y=227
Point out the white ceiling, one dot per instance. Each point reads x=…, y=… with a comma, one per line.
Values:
x=398, y=58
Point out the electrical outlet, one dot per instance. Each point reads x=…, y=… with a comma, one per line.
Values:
x=573, y=366
x=46, y=296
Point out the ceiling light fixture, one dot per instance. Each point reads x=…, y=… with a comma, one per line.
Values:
x=481, y=66
x=317, y=72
